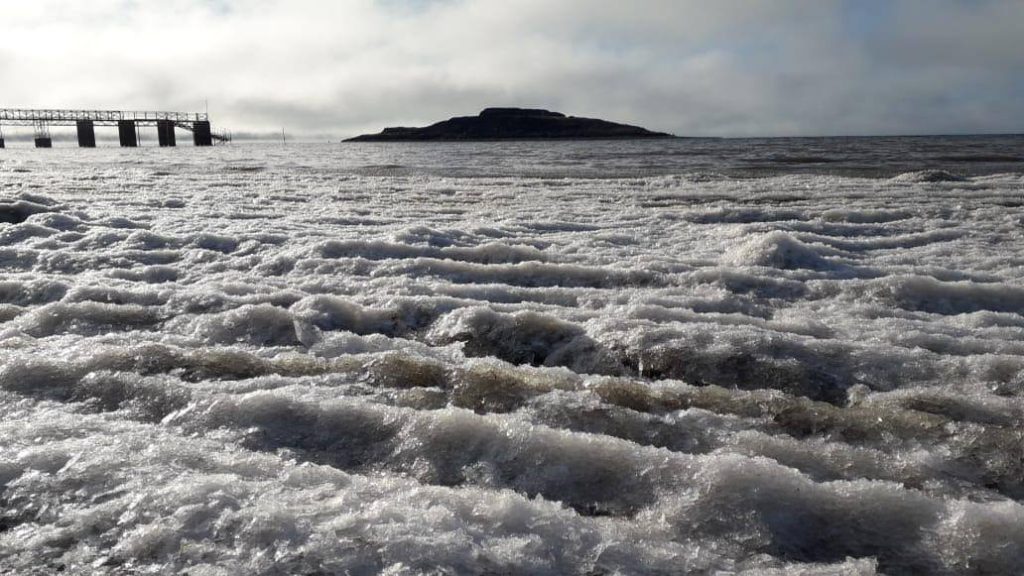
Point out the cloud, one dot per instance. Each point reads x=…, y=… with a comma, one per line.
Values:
x=786, y=67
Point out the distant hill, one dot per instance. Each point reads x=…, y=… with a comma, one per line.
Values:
x=512, y=124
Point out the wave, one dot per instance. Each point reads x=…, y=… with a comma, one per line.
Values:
x=377, y=250
x=928, y=176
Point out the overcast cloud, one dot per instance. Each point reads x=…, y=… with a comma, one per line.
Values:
x=692, y=67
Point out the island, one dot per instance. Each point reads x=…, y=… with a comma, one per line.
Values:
x=512, y=124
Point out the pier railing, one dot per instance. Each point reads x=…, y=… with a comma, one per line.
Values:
x=57, y=117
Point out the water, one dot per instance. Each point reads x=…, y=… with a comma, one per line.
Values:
x=748, y=157
x=708, y=356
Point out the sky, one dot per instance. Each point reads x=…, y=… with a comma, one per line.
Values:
x=335, y=68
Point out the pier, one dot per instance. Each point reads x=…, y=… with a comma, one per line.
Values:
x=129, y=125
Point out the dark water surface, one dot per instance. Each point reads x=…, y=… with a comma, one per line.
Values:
x=872, y=157
x=739, y=157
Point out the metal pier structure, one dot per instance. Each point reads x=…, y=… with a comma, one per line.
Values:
x=128, y=125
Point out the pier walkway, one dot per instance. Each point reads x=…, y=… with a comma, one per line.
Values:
x=128, y=125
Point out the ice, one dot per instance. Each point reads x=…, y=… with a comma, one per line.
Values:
x=236, y=361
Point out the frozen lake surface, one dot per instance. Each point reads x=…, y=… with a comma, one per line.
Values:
x=759, y=357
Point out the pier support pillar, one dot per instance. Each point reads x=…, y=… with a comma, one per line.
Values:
x=165, y=133
x=2, y=142
x=86, y=134
x=126, y=133
x=201, y=133
x=44, y=142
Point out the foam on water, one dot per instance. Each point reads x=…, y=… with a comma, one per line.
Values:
x=246, y=365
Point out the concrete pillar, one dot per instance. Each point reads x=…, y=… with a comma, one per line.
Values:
x=44, y=142
x=2, y=142
x=201, y=134
x=126, y=133
x=86, y=134
x=165, y=132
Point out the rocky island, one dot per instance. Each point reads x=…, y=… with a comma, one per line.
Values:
x=512, y=124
